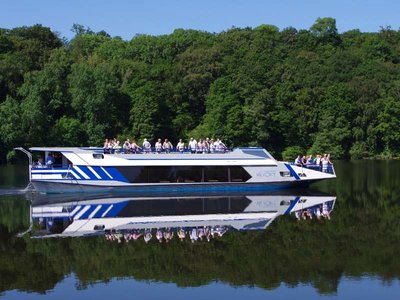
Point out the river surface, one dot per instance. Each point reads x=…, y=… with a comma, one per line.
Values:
x=354, y=255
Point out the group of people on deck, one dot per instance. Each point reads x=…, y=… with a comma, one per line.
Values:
x=321, y=162
x=167, y=234
x=322, y=211
x=202, y=146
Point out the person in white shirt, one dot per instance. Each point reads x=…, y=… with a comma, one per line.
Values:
x=158, y=146
x=146, y=146
x=180, y=146
x=193, y=145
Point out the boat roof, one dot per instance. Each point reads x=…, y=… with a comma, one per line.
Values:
x=253, y=151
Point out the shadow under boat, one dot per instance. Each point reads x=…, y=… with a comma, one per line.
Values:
x=102, y=214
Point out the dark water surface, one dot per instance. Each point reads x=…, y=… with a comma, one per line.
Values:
x=355, y=255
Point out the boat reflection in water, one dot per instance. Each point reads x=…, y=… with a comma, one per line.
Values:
x=195, y=217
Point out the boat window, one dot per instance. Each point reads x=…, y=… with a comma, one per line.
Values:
x=185, y=174
x=238, y=174
x=256, y=152
x=98, y=156
x=216, y=174
x=286, y=174
x=188, y=174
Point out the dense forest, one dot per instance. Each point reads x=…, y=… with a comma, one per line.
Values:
x=291, y=91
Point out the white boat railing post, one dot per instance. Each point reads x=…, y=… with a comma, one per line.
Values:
x=30, y=160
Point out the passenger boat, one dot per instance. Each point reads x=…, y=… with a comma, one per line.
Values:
x=124, y=214
x=91, y=170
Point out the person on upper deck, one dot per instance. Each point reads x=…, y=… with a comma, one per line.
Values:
x=193, y=145
x=158, y=146
x=106, y=147
x=297, y=161
x=212, y=146
x=180, y=146
x=135, y=147
x=167, y=146
x=126, y=146
x=146, y=146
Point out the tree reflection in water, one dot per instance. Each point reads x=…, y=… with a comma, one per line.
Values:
x=361, y=239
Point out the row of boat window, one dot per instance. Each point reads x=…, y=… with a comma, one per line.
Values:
x=185, y=174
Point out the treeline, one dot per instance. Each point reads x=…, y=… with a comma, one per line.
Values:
x=291, y=91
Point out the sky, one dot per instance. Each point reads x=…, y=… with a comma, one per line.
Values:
x=126, y=18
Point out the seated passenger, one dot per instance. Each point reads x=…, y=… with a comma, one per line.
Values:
x=134, y=147
x=39, y=163
x=127, y=146
x=117, y=146
x=146, y=146
x=158, y=146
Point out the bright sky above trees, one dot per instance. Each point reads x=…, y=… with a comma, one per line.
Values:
x=126, y=18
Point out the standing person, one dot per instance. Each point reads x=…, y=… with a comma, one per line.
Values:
x=50, y=161
x=200, y=146
x=106, y=148
x=180, y=146
x=167, y=146
x=216, y=145
x=158, y=146
x=207, y=145
x=146, y=146
x=318, y=161
x=325, y=163
x=212, y=146
x=222, y=147
x=193, y=145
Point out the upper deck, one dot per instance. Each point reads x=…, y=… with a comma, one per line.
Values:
x=96, y=156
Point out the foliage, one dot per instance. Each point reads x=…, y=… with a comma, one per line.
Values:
x=319, y=89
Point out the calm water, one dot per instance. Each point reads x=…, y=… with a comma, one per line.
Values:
x=355, y=255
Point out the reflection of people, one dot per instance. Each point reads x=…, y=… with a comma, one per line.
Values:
x=159, y=235
x=147, y=235
x=325, y=211
x=193, y=235
x=181, y=234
